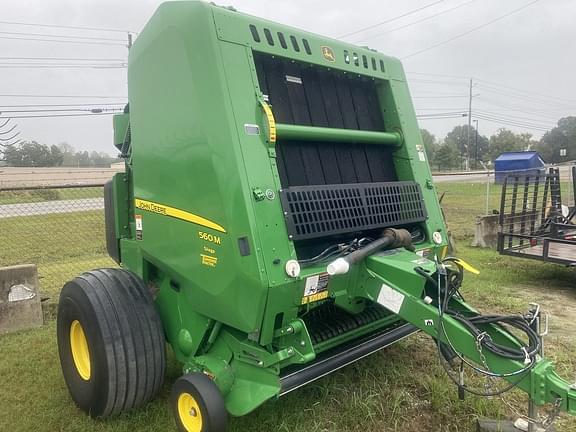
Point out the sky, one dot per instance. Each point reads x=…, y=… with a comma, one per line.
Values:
x=518, y=53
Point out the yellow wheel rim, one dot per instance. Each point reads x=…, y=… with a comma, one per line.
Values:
x=80, y=352
x=189, y=413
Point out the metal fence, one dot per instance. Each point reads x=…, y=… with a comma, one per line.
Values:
x=61, y=230
x=465, y=197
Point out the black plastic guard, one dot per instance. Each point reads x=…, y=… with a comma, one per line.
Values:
x=112, y=245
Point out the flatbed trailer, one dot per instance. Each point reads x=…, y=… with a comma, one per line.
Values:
x=533, y=222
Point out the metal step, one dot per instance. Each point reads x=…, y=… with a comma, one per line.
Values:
x=341, y=356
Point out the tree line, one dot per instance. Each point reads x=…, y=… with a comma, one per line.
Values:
x=555, y=146
x=34, y=154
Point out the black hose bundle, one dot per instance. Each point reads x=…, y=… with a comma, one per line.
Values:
x=526, y=354
x=523, y=354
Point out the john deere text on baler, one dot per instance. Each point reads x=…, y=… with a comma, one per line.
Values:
x=276, y=221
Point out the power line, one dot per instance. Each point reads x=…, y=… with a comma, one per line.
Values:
x=63, y=96
x=438, y=75
x=525, y=97
x=440, y=118
x=64, y=59
x=416, y=22
x=499, y=120
x=60, y=66
x=463, y=109
x=67, y=27
x=61, y=36
x=531, y=121
x=2, y=107
x=442, y=114
x=63, y=115
x=481, y=26
x=92, y=110
x=530, y=92
x=440, y=97
x=538, y=113
x=410, y=12
x=492, y=86
x=63, y=41
x=448, y=83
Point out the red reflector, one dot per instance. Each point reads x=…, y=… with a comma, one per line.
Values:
x=533, y=242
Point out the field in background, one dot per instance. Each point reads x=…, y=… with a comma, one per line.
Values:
x=62, y=245
x=18, y=177
x=402, y=388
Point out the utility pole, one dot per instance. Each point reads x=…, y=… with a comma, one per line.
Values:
x=469, y=127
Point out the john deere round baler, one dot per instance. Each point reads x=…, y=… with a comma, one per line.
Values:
x=276, y=221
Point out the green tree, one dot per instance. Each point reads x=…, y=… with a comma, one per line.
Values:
x=446, y=157
x=458, y=138
x=429, y=142
x=56, y=156
x=33, y=154
x=68, y=154
x=507, y=141
x=562, y=136
x=70, y=157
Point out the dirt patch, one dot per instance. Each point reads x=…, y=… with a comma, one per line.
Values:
x=558, y=303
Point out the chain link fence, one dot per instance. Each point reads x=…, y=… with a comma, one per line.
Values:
x=61, y=230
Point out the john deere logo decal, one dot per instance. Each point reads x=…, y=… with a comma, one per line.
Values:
x=328, y=54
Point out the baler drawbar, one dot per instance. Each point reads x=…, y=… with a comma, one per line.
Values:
x=276, y=221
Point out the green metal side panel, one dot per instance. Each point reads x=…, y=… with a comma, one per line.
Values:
x=186, y=155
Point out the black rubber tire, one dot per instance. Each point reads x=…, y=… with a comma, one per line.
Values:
x=208, y=397
x=125, y=341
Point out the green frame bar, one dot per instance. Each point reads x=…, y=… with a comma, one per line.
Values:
x=311, y=133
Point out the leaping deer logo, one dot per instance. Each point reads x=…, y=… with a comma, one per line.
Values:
x=328, y=54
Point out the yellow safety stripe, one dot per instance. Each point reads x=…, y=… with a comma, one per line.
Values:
x=176, y=213
x=271, y=121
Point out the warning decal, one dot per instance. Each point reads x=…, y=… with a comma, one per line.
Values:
x=316, y=288
x=390, y=298
x=138, y=220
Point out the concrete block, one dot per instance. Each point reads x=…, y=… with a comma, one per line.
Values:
x=20, y=306
x=488, y=425
x=486, y=234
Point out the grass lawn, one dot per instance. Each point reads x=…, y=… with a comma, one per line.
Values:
x=62, y=245
x=402, y=388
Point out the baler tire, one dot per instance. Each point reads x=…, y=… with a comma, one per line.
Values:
x=198, y=404
x=110, y=341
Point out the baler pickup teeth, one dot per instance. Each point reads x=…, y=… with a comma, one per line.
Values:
x=328, y=321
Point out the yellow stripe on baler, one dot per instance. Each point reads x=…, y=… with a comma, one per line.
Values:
x=165, y=210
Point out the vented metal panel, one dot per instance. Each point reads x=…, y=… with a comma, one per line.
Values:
x=307, y=163
x=302, y=94
x=314, y=96
x=320, y=211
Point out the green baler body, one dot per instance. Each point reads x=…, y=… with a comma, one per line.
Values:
x=198, y=213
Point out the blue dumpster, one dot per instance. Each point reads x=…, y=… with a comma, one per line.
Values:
x=518, y=163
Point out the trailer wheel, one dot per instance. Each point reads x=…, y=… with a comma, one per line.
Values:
x=110, y=341
x=198, y=404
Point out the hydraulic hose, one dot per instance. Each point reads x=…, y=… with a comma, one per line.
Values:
x=391, y=238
